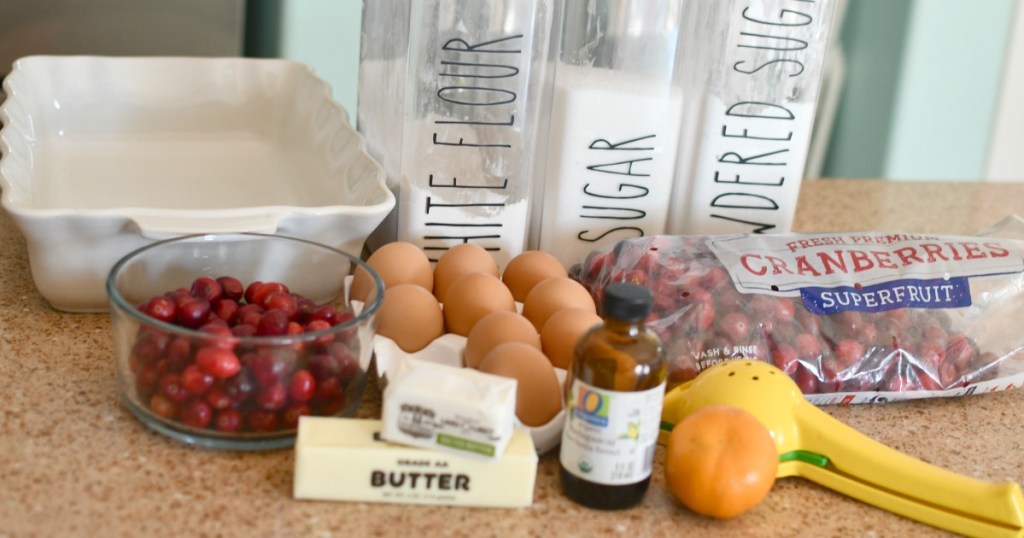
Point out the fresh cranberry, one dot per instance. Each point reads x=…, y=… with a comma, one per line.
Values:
x=250, y=291
x=219, y=399
x=147, y=377
x=283, y=301
x=807, y=346
x=849, y=352
x=810, y=322
x=195, y=380
x=713, y=278
x=868, y=333
x=249, y=314
x=784, y=310
x=222, y=336
x=806, y=380
x=207, y=288
x=262, y=290
x=348, y=363
x=272, y=397
x=329, y=406
x=226, y=309
x=243, y=331
x=193, y=313
x=179, y=296
x=324, y=366
x=273, y=323
x=240, y=387
x=263, y=421
x=319, y=325
x=290, y=415
x=196, y=413
x=219, y=362
x=306, y=308
x=848, y=323
x=932, y=353
x=900, y=316
x=900, y=383
x=960, y=351
x=935, y=332
x=729, y=300
x=343, y=317
x=161, y=308
x=325, y=313
x=171, y=388
x=178, y=354
x=150, y=346
x=270, y=366
x=828, y=378
x=328, y=390
x=163, y=406
x=928, y=380
x=232, y=288
x=228, y=420
x=700, y=315
x=294, y=329
x=735, y=326
x=948, y=374
x=135, y=364
x=786, y=358
x=302, y=386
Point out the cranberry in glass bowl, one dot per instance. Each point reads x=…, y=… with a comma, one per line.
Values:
x=225, y=340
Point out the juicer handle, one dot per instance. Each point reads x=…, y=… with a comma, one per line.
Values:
x=165, y=227
x=876, y=474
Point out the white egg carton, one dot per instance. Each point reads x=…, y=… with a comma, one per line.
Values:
x=103, y=155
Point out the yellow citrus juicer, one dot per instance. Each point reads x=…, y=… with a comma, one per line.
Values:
x=816, y=446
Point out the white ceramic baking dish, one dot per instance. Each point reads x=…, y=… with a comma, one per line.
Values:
x=102, y=155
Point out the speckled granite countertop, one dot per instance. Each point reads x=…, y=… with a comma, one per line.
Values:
x=74, y=462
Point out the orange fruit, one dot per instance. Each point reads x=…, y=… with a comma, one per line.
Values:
x=720, y=461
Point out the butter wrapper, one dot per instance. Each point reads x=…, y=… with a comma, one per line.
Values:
x=455, y=410
x=343, y=459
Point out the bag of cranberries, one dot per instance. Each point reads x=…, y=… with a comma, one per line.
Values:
x=851, y=317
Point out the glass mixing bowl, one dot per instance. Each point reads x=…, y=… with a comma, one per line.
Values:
x=224, y=340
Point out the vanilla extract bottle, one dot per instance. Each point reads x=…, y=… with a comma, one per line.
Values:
x=613, y=398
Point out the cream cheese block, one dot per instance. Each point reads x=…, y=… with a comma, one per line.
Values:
x=344, y=459
x=456, y=410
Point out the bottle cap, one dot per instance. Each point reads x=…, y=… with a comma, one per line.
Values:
x=626, y=301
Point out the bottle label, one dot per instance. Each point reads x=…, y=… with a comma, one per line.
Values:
x=610, y=436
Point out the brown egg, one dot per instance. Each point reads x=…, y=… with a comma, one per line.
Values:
x=562, y=330
x=528, y=269
x=397, y=262
x=411, y=316
x=555, y=294
x=471, y=297
x=497, y=328
x=460, y=260
x=538, y=392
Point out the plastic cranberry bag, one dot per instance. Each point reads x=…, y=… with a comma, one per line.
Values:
x=851, y=317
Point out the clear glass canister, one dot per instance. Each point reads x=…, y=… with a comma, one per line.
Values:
x=615, y=125
x=453, y=102
x=754, y=71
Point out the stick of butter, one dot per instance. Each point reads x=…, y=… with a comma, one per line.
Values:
x=342, y=459
x=455, y=410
